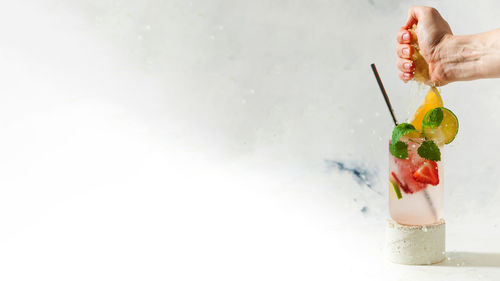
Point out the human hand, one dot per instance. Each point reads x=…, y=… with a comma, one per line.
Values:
x=432, y=31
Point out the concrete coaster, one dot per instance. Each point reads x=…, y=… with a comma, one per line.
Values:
x=415, y=244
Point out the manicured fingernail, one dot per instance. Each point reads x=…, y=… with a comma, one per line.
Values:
x=406, y=75
x=407, y=65
x=406, y=36
x=406, y=52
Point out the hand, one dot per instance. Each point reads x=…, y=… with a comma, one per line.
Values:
x=432, y=31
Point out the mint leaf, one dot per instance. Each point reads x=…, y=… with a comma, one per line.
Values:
x=401, y=130
x=429, y=150
x=399, y=149
x=433, y=118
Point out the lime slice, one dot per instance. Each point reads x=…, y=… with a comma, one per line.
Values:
x=440, y=125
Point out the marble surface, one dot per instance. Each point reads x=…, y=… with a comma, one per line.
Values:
x=228, y=140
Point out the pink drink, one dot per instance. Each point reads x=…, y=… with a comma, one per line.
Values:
x=421, y=201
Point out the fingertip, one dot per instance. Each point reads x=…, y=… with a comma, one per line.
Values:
x=404, y=36
x=399, y=36
x=404, y=51
x=405, y=65
x=405, y=76
x=408, y=76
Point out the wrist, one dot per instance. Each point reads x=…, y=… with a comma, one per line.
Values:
x=462, y=58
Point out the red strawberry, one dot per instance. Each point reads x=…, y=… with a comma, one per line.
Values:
x=427, y=173
x=403, y=174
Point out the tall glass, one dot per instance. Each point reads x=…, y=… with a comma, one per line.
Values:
x=420, y=202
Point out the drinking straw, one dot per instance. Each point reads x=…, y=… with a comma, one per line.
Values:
x=389, y=106
x=384, y=93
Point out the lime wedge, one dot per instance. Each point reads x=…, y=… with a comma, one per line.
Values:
x=396, y=189
x=440, y=125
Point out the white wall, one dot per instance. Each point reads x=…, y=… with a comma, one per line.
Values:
x=194, y=139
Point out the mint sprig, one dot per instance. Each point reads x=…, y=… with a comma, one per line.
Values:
x=433, y=118
x=429, y=150
x=398, y=148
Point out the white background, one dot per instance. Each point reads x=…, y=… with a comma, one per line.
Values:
x=193, y=140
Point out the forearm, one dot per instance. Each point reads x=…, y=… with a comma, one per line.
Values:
x=461, y=58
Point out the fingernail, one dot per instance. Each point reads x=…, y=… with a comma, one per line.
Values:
x=406, y=75
x=407, y=65
x=406, y=52
x=406, y=36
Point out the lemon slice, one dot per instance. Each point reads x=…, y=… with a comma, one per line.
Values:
x=414, y=135
x=432, y=100
x=440, y=125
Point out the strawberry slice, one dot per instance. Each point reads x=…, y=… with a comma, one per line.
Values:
x=402, y=186
x=427, y=173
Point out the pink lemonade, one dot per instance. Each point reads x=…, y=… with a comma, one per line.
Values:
x=418, y=183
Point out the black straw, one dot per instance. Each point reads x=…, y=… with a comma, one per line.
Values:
x=382, y=89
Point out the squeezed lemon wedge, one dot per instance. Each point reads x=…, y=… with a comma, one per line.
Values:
x=421, y=73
